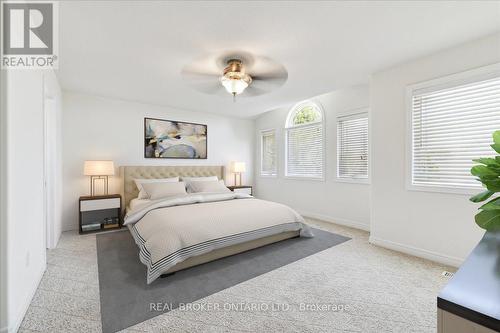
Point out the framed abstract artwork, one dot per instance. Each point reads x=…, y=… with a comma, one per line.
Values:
x=174, y=139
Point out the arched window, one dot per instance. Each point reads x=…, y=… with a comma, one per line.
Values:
x=305, y=141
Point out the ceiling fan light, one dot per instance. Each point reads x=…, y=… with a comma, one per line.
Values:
x=234, y=86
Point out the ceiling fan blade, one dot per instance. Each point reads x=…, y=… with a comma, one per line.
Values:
x=254, y=91
x=246, y=58
x=276, y=74
x=268, y=75
x=270, y=81
x=201, y=79
x=267, y=83
x=204, y=73
x=264, y=84
x=207, y=87
x=199, y=73
x=203, y=67
x=264, y=65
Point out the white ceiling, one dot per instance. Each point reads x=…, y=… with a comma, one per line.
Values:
x=135, y=50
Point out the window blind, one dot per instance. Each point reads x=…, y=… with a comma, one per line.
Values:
x=452, y=126
x=268, y=153
x=352, y=147
x=304, y=156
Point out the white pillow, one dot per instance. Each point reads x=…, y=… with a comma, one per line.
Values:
x=139, y=182
x=163, y=190
x=189, y=180
x=209, y=186
x=199, y=179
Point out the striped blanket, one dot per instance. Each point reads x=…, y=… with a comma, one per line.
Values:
x=172, y=230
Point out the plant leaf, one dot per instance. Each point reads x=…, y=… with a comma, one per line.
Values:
x=492, y=184
x=496, y=137
x=482, y=179
x=487, y=161
x=496, y=147
x=491, y=205
x=482, y=196
x=488, y=219
x=483, y=171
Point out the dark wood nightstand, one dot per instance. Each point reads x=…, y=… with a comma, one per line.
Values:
x=245, y=189
x=100, y=213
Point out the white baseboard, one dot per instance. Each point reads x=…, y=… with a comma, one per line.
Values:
x=18, y=321
x=417, y=252
x=71, y=227
x=347, y=223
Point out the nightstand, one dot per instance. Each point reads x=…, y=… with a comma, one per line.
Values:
x=245, y=189
x=100, y=213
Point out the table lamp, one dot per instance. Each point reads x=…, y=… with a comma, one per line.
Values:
x=98, y=170
x=238, y=168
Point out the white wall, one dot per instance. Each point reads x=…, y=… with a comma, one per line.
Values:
x=52, y=92
x=102, y=128
x=331, y=200
x=4, y=321
x=25, y=231
x=432, y=225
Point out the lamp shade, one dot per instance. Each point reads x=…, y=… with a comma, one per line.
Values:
x=99, y=168
x=239, y=167
x=234, y=86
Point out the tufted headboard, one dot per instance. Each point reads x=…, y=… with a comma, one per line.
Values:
x=129, y=173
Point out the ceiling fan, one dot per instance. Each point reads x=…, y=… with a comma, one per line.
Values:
x=235, y=73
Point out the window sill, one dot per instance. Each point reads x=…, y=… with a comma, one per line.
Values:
x=322, y=179
x=353, y=181
x=445, y=190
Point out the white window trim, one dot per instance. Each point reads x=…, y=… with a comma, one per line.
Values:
x=261, y=132
x=449, y=80
x=364, y=181
x=288, y=128
x=298, y=107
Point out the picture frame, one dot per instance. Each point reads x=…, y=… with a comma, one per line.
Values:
x=171, y=139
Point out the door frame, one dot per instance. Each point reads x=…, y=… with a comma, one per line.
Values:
x=49, y=165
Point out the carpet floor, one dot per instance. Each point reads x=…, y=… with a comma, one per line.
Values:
x=351, y=287
x=120, y=270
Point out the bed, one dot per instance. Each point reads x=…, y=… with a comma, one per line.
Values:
x=179, y=232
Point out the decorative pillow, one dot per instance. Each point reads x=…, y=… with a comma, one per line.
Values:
x=163, y=190
x=139, y=182
x=189, y=180
x=209, y=186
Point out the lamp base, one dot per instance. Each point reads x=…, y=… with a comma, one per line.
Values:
x=237, y=174
x=93, y=185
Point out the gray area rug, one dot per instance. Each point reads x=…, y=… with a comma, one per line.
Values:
x=126, y=298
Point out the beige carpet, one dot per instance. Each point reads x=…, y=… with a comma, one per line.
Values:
x=352, y=287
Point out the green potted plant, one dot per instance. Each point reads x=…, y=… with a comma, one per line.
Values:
x=488, y=173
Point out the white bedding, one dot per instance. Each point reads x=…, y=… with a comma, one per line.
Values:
x=172, y=230
x=136, y=204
